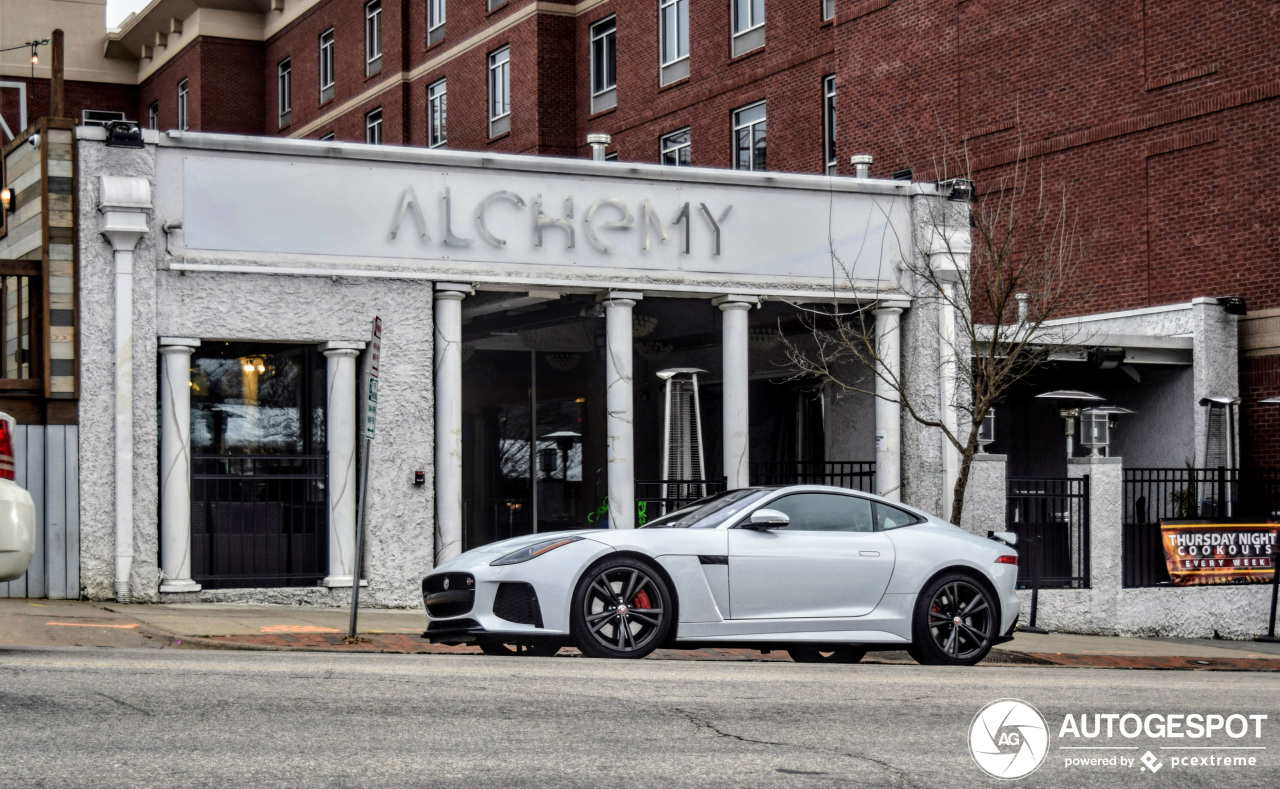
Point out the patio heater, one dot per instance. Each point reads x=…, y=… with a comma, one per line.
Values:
x=1221, y=450
x=1096, y=425
x=681, y=434
x=565, y=439
x=1069, y=402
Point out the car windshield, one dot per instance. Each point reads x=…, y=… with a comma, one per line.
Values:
x=707, y=513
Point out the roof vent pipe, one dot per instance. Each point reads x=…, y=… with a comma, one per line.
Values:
x=598, y=143
x=861, y=165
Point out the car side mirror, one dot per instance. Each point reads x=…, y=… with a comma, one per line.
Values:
x=762, y=520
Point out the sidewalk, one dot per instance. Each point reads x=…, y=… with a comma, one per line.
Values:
x=76, y=623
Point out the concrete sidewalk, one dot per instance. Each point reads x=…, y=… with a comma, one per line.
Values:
x=78, y=623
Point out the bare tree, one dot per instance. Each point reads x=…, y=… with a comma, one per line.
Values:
x=999, y=271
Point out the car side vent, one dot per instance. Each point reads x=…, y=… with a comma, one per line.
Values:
x=517, y=602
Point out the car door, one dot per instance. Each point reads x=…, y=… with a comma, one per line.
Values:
x=829, y=561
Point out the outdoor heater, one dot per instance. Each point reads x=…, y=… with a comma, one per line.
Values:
x=1069, y=402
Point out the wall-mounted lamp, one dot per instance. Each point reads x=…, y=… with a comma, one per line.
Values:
x=1233, y=305
x=7, y=200
x=958, y=190
x=986, y=431
x=1096, y=425
x=124, y=134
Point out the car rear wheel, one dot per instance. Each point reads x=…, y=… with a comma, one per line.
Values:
x=843, y=654
x=954, y=623
x=621, y=609
x=499, y=649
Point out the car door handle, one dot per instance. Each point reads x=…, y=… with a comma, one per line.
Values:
x=868, y=553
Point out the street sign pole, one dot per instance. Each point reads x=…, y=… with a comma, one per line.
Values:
x=370, y=423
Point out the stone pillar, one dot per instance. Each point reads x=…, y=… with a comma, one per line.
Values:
x=984, y=496
x=1215, y=361
x=1106, y=516
x=341, y=437
x=737, y=424
x=125, y=203
x=175, y=464
x=888, y=409
x=448, y=459
x=619, y=424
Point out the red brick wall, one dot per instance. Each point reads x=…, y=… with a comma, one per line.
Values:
x=77, y=97
x=1259, y=424
x=162, y=87
x=231, y=99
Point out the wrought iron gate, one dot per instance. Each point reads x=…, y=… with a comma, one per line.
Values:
x=1051, y=519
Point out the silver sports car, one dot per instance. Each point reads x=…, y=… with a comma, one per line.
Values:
x=824, y=573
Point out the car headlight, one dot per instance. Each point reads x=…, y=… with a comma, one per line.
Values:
x=533, y=551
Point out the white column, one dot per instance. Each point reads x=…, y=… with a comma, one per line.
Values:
x=340, y=436
x=734, y=361
x=175, y=464
x=448, y=371
x=124, y=202
x=888, y=409
x=619, y=424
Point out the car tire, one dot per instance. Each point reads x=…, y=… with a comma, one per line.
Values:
x=622, y=608
x=955, y=621
x=840, y=654
x=501, y=649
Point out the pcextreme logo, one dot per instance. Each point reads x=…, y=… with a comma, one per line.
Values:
x=1010, y=739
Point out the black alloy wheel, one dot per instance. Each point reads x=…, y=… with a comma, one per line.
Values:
x=955, y=622
x=621, y=609
x=827, y=654
x=536, y=649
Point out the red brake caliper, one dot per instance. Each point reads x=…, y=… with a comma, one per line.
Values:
x=642, y=600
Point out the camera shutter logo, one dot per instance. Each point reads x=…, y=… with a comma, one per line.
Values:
x=1008, y=738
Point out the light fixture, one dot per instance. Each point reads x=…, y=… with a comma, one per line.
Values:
x=643, y=325
x=1106, y=358
x=1069, y=401
x=958, y=190
x=986, y=430
x=1096, y=425
x=248, y=367
x=6, y=199
x=1233, y=305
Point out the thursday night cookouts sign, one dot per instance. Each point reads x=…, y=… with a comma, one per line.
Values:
x=1199, y=553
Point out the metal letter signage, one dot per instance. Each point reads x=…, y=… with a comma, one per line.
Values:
x=745, y=227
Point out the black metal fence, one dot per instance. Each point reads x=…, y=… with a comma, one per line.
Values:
x=1152, y=495
x=852, y=474
x=657, y=497
x=259, y=520
x=1051, y=519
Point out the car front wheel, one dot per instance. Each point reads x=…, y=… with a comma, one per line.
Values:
x=954, y=623
x=621, y=609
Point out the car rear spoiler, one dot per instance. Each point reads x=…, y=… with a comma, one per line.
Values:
x=1007, y=537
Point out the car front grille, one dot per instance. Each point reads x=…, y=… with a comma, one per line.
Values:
x=456, y=600
x=517, y=602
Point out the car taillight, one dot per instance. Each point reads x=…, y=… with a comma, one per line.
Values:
x=6, y=449
x=1006, y=560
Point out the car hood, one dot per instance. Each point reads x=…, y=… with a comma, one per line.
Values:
x=487, y=553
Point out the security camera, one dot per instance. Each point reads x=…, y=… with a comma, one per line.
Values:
x=34, y=141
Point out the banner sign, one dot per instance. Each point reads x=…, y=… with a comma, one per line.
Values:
x=1200, y=553
x=371, y=407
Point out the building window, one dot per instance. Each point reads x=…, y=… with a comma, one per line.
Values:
x=604, y=64
x=612, y=156
x=749, y=138
x=182, y=105
x=373, y=37
x=748, y=25
x=675, y=148
x=829, y=122
x=326, y=66
x=327, y=138
x=500, y=92
x=437, y=114
x=673, y=39
x=435, y=21
x=373, y=127
x=284, y=90
x=828, y=10
x=153, y=115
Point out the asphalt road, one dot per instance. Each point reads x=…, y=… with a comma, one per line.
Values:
x=175, y=718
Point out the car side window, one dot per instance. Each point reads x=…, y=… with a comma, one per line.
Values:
x=824, y=512
x=892, y=518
